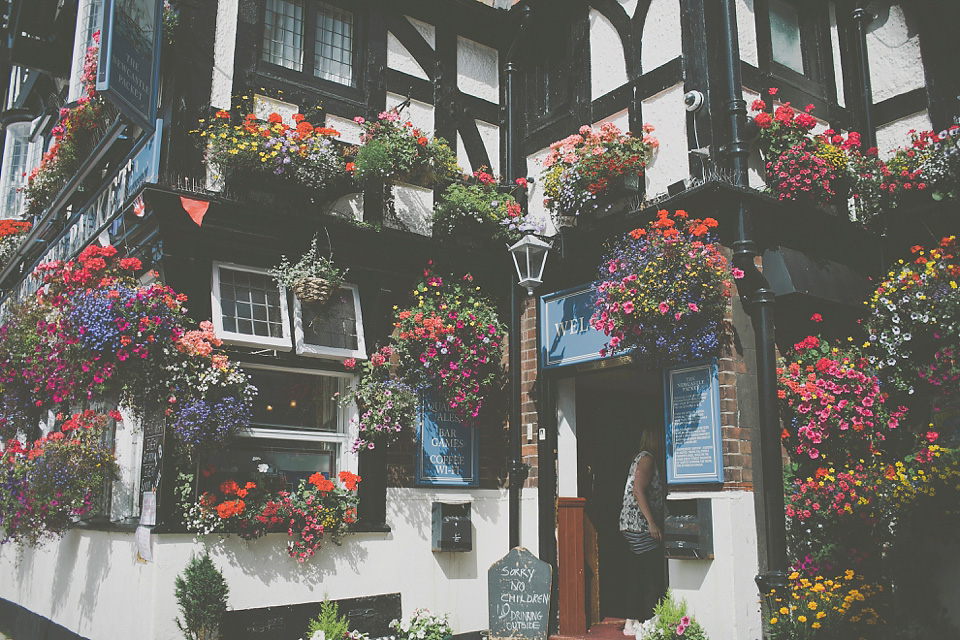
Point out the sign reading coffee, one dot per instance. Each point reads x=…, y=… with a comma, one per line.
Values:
x=447, y=452
x=694, y=450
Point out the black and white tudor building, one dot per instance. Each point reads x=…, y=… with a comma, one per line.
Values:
x=881, y=68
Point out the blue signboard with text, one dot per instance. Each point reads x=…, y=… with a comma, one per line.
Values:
x=565, y=331
x=128, y=73
x=447, y=452
x=692, y=406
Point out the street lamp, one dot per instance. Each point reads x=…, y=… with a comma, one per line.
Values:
x=529, y=257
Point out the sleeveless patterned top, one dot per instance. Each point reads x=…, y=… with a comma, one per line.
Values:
x=631, y=518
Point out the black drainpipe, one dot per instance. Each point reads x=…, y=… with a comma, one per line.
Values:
x=758, y=299
x=517, y=468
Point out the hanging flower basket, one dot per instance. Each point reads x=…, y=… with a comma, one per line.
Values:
x=312, y=289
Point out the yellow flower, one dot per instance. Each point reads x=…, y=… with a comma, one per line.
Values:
x=815, y=625
x=784, y=611
x=773, y=621
x=801, y=618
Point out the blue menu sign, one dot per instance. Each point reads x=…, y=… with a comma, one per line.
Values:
x=694, y=446
x=128, y=73
x=447, y=452
x=565, y=331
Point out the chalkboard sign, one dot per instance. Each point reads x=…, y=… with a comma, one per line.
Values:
x=519, y=593
x=151, y=460
x=367, y=614
x=694, y=450
x=447, y=453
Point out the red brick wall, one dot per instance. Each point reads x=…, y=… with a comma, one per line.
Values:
x=528, y=379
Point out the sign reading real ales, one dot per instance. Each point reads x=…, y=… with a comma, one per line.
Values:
x=519, y=596
x=447, y=454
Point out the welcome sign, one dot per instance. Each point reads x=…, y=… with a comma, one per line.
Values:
x=565, y=331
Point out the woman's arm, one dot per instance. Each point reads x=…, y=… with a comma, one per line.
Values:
x=641, y=482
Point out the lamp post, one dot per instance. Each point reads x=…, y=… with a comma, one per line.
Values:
x=529, y=257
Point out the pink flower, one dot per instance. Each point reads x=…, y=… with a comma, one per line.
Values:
x=663, y=307
x=350, y=363
x=693, y=307
x=628, y=307
x=738, y=273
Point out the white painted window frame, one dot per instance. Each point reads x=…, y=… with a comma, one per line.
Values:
x=333, y=353
x=346, y=419
x=241, y=339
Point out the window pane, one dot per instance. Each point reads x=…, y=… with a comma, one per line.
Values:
x=334, y=47
x=331, y=324
x=14, y=166
x=276, y=464
x=785, y=35
x=283, y=34
x=296, y=400
x=246, y=296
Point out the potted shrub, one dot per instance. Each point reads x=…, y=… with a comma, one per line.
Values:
x=313, y=278
x=385, y=405
x=585, y=171
x=400, y=152
x=301, y=157
x=481, y=208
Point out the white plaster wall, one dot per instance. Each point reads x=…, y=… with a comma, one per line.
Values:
x=721, y=592
x=661, y=35
x=224, y=45
x=666, y=113
x=349, y=206
x=837, y=63
x=414, y=209
x=567, y=437
x=629, y=6
x=893, y=50
x=349, y=130
x=490, y=135
x=125, y=497
x=399, y=59
x=263, y=106
x=747, y=32
x=608, y=65
x=535, y=204
x=620, y=118
x=92, y=584
x=755, y=169
x=419, y=113
x=478, y=70
x=895, y=134
x=428, y=31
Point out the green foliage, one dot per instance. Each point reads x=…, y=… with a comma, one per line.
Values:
x=329, y=622
x=202, y=598
x=671, y=621
x=310, y=265
x=480, y=206
x=393, y=150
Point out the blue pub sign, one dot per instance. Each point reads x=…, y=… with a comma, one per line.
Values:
x=565, y=331
x=447, y=452
x=692, y=407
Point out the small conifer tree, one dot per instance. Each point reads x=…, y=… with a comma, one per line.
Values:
x=201, y=592
x=333, y=626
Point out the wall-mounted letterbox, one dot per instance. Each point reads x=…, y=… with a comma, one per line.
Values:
x=452, y=530
x=688, y=529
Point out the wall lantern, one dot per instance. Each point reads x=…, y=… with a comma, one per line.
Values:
x=530, y=257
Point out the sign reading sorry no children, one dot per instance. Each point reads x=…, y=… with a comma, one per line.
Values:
x=519, y=596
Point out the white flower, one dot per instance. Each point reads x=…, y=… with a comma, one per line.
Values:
x=263, y=468
x=318, y=635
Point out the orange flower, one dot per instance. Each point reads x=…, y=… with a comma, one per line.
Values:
x=349, y=480
x=274, y=118
x=230, y=508
x=320, y=482
x=298, y=118
x=229, y=487
x=350, y=166
x=223, y=114
x=422, y=141
x=636, y=234
x=710, y=222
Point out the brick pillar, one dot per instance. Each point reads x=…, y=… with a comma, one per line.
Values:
x=528, y=382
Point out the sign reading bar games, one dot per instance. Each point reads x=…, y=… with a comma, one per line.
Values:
x=694, y=445
x=128, y=73
x=447, y=452
x=565, y=331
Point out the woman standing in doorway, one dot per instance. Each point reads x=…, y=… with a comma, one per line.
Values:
x=641, y=519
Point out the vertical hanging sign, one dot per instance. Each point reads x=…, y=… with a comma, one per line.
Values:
x=447, y=454
x=128, y=74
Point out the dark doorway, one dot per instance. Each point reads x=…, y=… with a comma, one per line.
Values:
x=613, y=408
